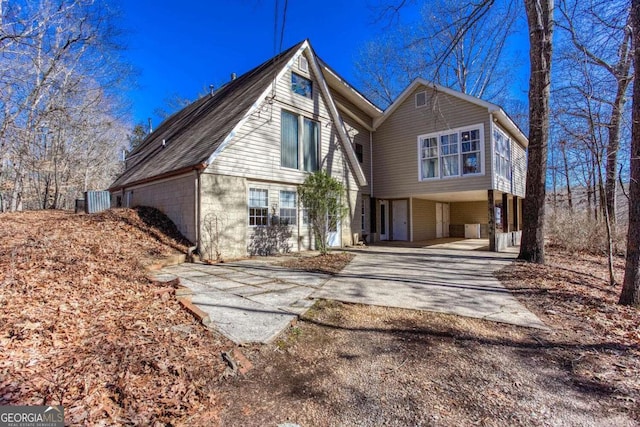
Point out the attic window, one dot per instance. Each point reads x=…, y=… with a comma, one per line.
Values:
x=303, y=64
x=421, y=99
x=301, y=85
x=359, y=152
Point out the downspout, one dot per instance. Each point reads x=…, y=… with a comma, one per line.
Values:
x=491, y=153
x=197, y=208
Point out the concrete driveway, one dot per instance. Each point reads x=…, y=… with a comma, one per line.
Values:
x=254, y=300
x=434, y=278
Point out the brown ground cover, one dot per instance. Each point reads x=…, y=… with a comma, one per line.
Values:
x=80, y=324
x=347, y=364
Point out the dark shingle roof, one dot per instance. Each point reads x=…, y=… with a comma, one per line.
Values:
x=194, y=133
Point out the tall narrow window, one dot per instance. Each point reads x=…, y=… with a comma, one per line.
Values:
x=288, y=208
x=289, y=140
x=258, y=207
x=310, y=145
x=359, y=152
x=502, y=154
x=470, y=152
x=429, y=157
x=449, y=151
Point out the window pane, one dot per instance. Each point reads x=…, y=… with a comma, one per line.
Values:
x=429, y=168
x=288, y=208
x=289, y=140
x=450, y=165
x=301, y=85
x=310, y=145
x=470, y=163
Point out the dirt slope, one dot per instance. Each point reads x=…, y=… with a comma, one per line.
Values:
x=80, y=325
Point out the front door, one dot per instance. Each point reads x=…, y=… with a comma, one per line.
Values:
x=399, y=220
x=384, y=220
x=442, y=220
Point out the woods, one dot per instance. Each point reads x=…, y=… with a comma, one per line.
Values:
x=61, y=113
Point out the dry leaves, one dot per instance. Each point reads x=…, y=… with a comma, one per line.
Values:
x=81, y=326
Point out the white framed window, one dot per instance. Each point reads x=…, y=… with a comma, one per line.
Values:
x=421, y=99
x=429, y=158
x=362, y=214
x=502, y=146
x=288, y=208
x=451, y=153
x=258, y=207
x=299, y=142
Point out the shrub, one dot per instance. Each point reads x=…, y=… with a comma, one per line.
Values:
x=577, y=232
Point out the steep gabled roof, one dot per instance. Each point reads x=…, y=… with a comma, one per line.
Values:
x=188, y=139
x=502, y=117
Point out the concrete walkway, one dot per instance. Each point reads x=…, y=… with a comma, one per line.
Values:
x=255, y=300
x=247, y=301
x=434, y=279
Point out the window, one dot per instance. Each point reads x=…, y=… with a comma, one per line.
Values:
x=359, y=152
x=293, y=142
x=258, y=207
x=456, y=152
x=470, y=152
x=449, y=153
x=429, y=156
x=421, y=99
x=362, y=214
x=502, y=154
x=301, y=85
x=288, y=208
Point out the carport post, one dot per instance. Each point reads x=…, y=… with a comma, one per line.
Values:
x=492, y=220
x=505, y=213
x=516, y=226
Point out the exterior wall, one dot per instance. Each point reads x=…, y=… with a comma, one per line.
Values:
x=461, y=213
x=254, y=155
x=344, y=102
x=395, y=145
x=359, y=135
x=175, y=197
x=518, y=168
x=424, y=219
x=223, y=206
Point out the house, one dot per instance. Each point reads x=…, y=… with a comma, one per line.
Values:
x=229, y=164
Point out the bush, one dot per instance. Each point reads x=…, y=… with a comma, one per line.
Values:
x=576, y=232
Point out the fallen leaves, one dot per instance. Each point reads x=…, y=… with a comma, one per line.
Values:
x=81, y=325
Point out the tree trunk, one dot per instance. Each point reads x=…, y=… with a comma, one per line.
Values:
x=540, y=19
x=631, y=287
x=566, y=174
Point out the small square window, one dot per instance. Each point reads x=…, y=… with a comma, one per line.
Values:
x=359, y=152
x=301, y=85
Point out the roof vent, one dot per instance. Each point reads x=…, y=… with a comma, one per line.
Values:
x=211, y=90
x=233, y=76
x=303, y=64
x=421, y=99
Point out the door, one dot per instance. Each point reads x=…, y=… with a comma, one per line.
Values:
x=442, y=220
x=384, y=220
x=399, y=220
x=333, y=232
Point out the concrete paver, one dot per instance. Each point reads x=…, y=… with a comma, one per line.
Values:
x=254, y=300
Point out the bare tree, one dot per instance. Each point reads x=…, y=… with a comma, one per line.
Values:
x=630, y=294
x=442, y=47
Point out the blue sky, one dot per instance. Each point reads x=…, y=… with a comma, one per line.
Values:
x=180, y=48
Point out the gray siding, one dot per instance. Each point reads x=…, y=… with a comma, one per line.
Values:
x=173, y=196
x=395, y=145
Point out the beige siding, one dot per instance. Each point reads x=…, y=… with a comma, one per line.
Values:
x=223, y=213
x=359, y=135
x=424, y=219
x=395, y=145
x=469, y=213
x=519, y=159
x=343, y=102
x=173, y=196
x=254, y=153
